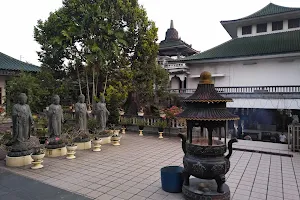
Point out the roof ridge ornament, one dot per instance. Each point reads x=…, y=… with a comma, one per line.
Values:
x=172, y=24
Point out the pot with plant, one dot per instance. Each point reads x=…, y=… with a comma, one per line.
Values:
x=71, y=146
x=121, y=112
x=117, y=129
x=97, y=144
x=115, y=139
x=141, y=124
x=124, y=122
x=37, y=156
x=162, y=113
x=161, y=125
x=141, y=112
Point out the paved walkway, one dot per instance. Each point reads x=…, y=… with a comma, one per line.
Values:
x=16, y=187
x=132, y=171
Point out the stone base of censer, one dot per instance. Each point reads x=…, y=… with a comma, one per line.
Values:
x=200, y=189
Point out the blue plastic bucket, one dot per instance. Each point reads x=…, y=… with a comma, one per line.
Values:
x=171, y=178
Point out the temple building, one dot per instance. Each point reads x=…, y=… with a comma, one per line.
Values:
x=10, y=67
x=258, y=68
x=173, y=48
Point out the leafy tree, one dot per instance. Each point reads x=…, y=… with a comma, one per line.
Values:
x=38, y=87
x=102, y=38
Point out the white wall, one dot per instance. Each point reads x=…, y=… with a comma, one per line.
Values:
x=271, y=72
x=2, y=86
x=265, y=103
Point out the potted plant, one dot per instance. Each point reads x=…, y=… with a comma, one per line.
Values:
x=117, y=129
x=69, y=140
x=97, y=144
x=162, y=113
x=161, y=125
x=124, y=122
x=141, y=112
x=141, y=124
x=115, y=139
x=121, y=112
x=37, y=156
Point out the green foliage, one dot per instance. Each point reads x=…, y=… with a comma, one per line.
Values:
x=125, y=121
x=28, y=84
x=161, y=124
x=113, y=38
x=39, y=88
x=113, y=105
x=141, y=122
x=92, y=124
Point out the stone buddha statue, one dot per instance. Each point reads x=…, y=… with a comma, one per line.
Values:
x=101, y=114
x=55, y=117
x=81, y=113
x=22, y=120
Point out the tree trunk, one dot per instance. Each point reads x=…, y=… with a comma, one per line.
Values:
x=105, y=83
x=78, y=80
x=97, y=82
x=88, y=90
x=94, y=95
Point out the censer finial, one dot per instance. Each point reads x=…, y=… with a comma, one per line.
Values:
x=205, y=78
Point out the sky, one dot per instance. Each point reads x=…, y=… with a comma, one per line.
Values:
x=197, y=22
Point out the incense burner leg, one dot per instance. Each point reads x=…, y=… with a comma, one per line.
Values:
x=220, y=181
x=186, y=177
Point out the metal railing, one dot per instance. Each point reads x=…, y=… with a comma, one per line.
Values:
x=247, y=89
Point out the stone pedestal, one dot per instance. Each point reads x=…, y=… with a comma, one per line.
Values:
x=18, y=161
x=200, y=189
x=141, y=133
x=56, y=152
x=83, y=145
x=160, y=135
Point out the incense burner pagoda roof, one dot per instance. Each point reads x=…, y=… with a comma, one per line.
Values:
x=207, y=114
x=206, y=91
x=206, y=104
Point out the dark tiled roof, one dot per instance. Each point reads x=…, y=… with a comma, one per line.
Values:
x=276, y=43
x=207, y=114
x=172, y=43
x=270, y=9
x=9, y=63
x=206, y=93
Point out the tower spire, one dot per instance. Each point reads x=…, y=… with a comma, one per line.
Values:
x=172, y=24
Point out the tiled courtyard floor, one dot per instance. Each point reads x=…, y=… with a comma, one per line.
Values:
x=132, y=171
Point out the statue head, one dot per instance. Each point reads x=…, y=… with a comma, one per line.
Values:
x=22, y=98
x=102, y=99
x=81, y=98
x=56, y=99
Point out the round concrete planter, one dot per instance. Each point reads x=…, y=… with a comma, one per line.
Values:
x=37, y=161
x=71, y=152
x=97, y=145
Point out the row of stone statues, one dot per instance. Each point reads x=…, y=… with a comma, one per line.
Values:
x=23, y=121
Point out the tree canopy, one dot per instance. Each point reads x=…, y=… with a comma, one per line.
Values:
x=105, y=38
